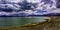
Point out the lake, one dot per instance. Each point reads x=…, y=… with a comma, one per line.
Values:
x=18, y=21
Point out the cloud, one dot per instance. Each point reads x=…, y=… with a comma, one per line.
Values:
x=43, y=7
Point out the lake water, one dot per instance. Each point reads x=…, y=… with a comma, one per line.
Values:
x=16, y=21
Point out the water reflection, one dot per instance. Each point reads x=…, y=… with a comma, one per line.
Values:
x=15, y=21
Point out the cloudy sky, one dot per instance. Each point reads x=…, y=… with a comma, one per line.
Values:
x=42, y=5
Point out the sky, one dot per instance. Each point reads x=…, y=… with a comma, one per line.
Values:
x=42, y=7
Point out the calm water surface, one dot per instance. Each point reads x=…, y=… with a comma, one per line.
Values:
x=16, y=21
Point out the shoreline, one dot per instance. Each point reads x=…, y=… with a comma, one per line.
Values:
x=26, y=25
